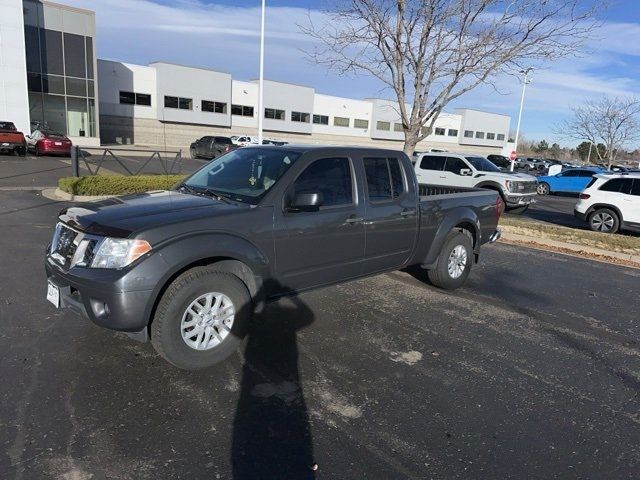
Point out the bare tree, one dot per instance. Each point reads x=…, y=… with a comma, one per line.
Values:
x=612, y=121
x=430, y=52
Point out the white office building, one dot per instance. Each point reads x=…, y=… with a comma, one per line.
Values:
x=50, y=75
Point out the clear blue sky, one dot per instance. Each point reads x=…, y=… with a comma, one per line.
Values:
x=222, y=34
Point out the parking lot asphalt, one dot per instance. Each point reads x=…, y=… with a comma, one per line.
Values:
x=532, y=370
x=555, y=209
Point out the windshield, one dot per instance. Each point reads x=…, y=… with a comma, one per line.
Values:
x=482, y=164
x=244, y=175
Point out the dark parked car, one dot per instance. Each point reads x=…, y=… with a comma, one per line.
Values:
x=211, y=147
x=47, y=142
x=12, y=140
x=189, y=266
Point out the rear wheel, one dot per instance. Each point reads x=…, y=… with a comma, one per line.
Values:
x=454, y=262
x=192, y=153
x=604, y=220
x=201, y=319
x=543, y=188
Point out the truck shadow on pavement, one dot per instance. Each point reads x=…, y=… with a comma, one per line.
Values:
x=271, y=431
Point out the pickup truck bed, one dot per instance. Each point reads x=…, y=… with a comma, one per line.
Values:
x=188, y=267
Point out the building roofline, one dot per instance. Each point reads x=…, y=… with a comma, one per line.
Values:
x=482, y=111
x=255, y=80
x=64, y=7
x=155, y=62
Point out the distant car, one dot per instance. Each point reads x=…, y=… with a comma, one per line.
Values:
x=211, y=147
x=611, y=202
x=47, y=142
x=12, y=140
x=499, y=160
x=244, y=140
x=532, y=163
x=571, y=180
x=268, y=141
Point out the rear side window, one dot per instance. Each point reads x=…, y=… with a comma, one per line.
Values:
x=635, y=189
x=591, y=182
x=432, y=162
x=329, y=176
x=224, y=140
x=384, y=178
x=585, y=173
x=454, y=165
x=619, y=185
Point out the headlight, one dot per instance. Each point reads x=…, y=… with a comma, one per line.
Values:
x=509, y=184
x=119, y=252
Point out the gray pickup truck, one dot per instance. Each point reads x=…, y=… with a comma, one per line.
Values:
x=187, y=268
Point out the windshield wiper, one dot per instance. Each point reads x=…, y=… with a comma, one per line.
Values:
x=203, y=191
x=217, y=195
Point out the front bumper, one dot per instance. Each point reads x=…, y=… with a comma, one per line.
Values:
x=94, y=294
x=580, y=215
x=515, y=200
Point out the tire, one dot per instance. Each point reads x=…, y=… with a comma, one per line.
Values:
x=518, y=210
x=21, y=151
x=167, y=326
x=444, y=277
x=544, y=188
x=192, y=153
x=36, y=151
x=604, y=220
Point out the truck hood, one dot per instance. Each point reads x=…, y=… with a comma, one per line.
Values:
x=122, y=216
x=506, y=176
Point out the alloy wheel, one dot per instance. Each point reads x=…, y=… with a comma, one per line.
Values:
x=457, y=261
x=207, y=321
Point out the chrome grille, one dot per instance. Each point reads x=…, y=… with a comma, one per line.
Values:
x=64, y=244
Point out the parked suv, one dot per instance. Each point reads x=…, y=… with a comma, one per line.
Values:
x=211, y=147
x=611, y=202
x=518, y=190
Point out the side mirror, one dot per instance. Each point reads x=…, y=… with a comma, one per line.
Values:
x=466, y=172
x=306, y=202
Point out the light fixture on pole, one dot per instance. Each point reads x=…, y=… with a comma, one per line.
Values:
x=525, y=81
x=261, y=79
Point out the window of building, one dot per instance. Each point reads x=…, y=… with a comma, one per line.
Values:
x=55, y=84
x=242, y=110
x=453, y=132
x=359, y=123
x=170, y=102
x=274, y=114
x=76, y=87
x=329, y=176
x=397, y=127
x=213, y=107
x=32, y=48
x=468, y=134
x=51, y=53
x=440, y=131
x=340, y=122
x=384, y=178
x=432, y=162
x=321, y=119
x=300, y=117
x=178, y=102
x=386, y=126
x=132, y=98
x=491, y=136
x=89, y=50
x=480, y=135
x=75, y=64
x=501, y=137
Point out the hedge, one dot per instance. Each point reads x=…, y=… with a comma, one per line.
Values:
x=117, y=184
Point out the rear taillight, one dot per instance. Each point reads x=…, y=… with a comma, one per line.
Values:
x=584, y=196
x=499, y=208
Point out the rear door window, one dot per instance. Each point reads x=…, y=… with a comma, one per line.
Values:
x=635, y=189
x=618, y=185
x=385, y=180
x=432, y=162
x=224, y=140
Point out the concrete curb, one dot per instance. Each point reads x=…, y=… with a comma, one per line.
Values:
x=572, y=249
x=59, y=195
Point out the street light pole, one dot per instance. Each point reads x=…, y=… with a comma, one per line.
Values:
x=261, y=79
x=524, y=89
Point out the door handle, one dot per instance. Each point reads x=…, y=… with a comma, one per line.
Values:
x=407, y=213
x=354, y=220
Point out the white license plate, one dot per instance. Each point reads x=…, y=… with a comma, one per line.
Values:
x=58, y=144
x=53, y=294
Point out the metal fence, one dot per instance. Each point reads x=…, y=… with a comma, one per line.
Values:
x=124, y=161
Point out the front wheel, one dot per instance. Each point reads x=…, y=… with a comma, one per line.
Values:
x=604, y=220
x=454, y=262
x=543, y=188
x=192, y=153
x=201, y=319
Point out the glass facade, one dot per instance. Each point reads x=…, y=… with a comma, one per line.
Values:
x=60, y=80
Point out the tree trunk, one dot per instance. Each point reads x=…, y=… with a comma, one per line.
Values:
x=410, y=142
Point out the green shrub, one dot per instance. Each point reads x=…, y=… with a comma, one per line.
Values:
x=117, y=184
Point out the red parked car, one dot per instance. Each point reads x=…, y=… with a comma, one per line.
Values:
x=47, y=142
